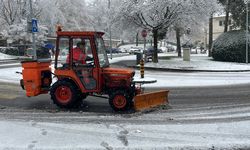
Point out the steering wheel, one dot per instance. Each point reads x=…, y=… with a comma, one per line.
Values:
x=89, y=58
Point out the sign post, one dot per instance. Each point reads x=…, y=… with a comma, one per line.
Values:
x=34, y=29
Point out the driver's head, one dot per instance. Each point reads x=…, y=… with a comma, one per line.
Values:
x=80, y=44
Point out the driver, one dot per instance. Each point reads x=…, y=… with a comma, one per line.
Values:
x=79, y=54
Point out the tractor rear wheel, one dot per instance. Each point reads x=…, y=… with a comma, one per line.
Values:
x=64, y=94
x=120, y=100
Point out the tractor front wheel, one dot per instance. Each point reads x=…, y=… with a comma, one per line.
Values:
x=64, y=94
x=120, y=100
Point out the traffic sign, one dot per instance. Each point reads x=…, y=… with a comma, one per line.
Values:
x=144, y=33
x=34, y=25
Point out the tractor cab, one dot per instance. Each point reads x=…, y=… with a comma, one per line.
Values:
x=80, y=55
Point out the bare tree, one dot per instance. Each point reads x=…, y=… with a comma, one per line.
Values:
x=13, y=11
x=153, y=15
x=193, y=17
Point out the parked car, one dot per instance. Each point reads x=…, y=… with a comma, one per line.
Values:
x=134, y=50
x=124, y=50
x=41, y=51
x=113, y=50
x=149, y=53
x=170, y=48
x=151, y=50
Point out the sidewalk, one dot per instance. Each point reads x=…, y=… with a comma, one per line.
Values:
x=198, y=62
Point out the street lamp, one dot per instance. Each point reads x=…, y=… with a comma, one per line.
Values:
x=246, y=2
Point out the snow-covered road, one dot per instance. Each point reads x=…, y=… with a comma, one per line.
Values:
x=188, y=128
x=31, y=135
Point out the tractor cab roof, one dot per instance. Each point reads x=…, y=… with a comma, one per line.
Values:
x=79, y=33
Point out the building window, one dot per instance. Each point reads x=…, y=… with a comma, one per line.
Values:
x=221, y=23
x=229, y=22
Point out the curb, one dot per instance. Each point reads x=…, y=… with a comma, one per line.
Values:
x=186, y=70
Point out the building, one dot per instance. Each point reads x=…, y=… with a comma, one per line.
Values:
x=218, y=25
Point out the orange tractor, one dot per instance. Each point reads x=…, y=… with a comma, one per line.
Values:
x=76, y=81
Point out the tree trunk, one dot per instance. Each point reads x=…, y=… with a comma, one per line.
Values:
x=155, y=55
x=178, y=41
x=227, y=17
x=210, y=36
x=136, y=39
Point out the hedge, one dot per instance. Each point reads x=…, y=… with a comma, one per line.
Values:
x=231, y=47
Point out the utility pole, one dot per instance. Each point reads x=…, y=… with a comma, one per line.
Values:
x=210, y=42
x=205, y=39
x=226, y=17
x=110, y=36
x=33, y=34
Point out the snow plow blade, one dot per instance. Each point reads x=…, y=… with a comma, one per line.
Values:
x=149, y=100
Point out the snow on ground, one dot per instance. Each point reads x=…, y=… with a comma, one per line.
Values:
x=10, y=75
x=44, y=135
x=198, y=62
x=18, y=134
x=172, y=79
x=197, y=79
x=164, y=79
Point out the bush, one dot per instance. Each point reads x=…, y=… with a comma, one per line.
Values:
x=9, y=50
x=230, y=46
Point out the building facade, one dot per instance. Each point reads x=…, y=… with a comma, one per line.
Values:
x=218, y=25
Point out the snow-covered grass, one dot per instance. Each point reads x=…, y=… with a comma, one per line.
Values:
x=194, y=79
x=197, y=62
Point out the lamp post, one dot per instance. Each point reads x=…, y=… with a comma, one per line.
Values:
x=246, y=2
x=110, y=36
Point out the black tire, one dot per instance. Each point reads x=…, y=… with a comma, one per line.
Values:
x=120, y=100
x=83, y=96
x=64, y=94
